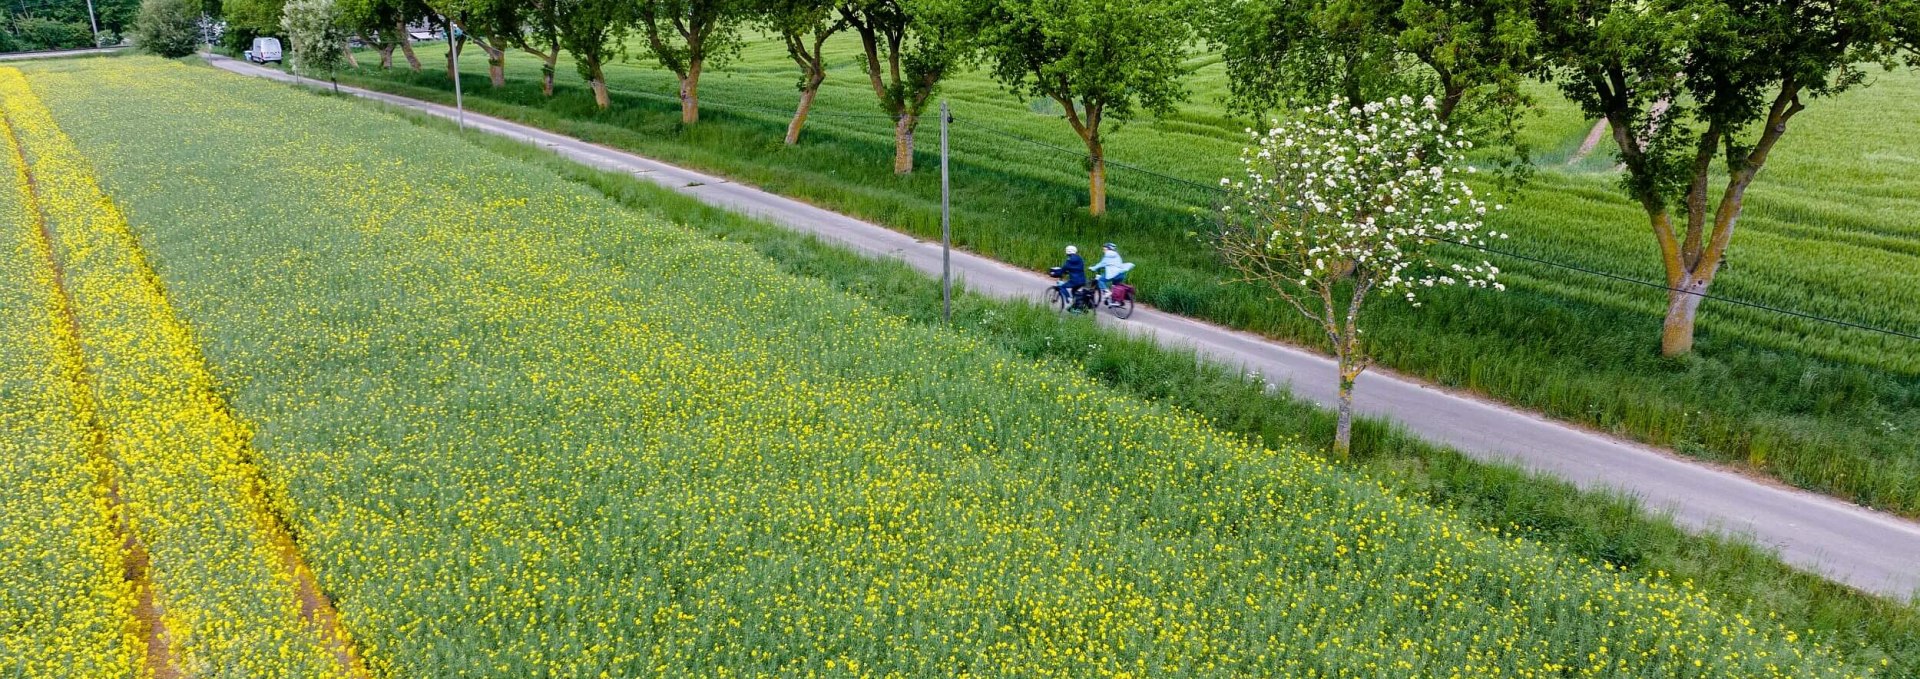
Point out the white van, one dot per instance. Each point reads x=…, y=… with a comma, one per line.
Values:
x=264, y=50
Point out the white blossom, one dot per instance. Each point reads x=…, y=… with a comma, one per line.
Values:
x=1369, y=192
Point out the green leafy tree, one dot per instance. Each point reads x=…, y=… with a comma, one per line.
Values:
x=533, y=27
x=169, y=28
x=1471, y=56
x=1685, y=83
x=1102, y=61
x=383, y=38
x=492, y=42
x=41, y=33
x=382, y=24
x=804, y=27
x=368, y=19
x=238, y=38
x=112, y=16
x=1282, y=52
x=591, y=31
x=251, y=18
x=908, y=46
x=689, y=36
x=116, y=17
x=487, y=23
x=317, y=31
x=411, y=12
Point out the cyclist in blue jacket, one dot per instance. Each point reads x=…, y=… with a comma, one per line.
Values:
x=1073, y=274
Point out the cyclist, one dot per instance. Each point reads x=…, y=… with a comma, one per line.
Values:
x=1111, y=269
x=1072, y=274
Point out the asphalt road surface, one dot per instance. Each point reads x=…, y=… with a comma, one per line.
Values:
x=1869, y=550
x=55, y=54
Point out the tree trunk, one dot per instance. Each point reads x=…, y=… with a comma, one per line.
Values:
x=386, y=56
x=496, y=65
x=800, y=114
x=546, y=72
x=1676, y=334
x=599, y=85
x=1097, y=179
x=1085, y=119
x=1343, y=429
x=903, y=143
x=347, y=51
x=690, y=95
x=453, y=53
x=406, y=48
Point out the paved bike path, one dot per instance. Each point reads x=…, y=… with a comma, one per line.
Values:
x=60, y=54
x=1872, y=551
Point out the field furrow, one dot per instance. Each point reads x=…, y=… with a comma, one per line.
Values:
x=201, y=527
x=67, y=607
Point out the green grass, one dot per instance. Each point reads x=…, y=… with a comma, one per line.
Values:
x=1821, y=407
x=548, y=434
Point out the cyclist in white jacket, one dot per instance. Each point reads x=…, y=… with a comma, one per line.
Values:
x=1110, y=268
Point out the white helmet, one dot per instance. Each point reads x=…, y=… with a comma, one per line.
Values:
x=1071, y=250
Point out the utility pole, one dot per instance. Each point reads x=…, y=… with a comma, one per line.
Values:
x=946, y=224
x=96, y=24
x=453, y=57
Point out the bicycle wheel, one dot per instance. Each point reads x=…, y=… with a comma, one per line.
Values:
x=1055, y=300
x=1122, y=309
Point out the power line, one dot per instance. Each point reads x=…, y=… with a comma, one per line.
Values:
x=1083, y=154
x=1662, y=286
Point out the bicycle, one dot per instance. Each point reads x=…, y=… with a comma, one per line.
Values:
x=1117, y=301
x=1083, y=298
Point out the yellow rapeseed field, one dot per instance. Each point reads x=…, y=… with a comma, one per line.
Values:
x=521, y=431
x=227, y=609
x=65, y=609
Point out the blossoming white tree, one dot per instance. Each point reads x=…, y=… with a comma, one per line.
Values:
x=1339, y=203
x=318, y=31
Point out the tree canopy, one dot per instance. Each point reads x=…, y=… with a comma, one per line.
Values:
x=590, y=30
x=908, y=47
x=318, y=33
x=65, y=24
x=804, y=27
x=1100, y=60
x=1472, y=56
x=169, y=28
x=689, y=36
x=1685, y=83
